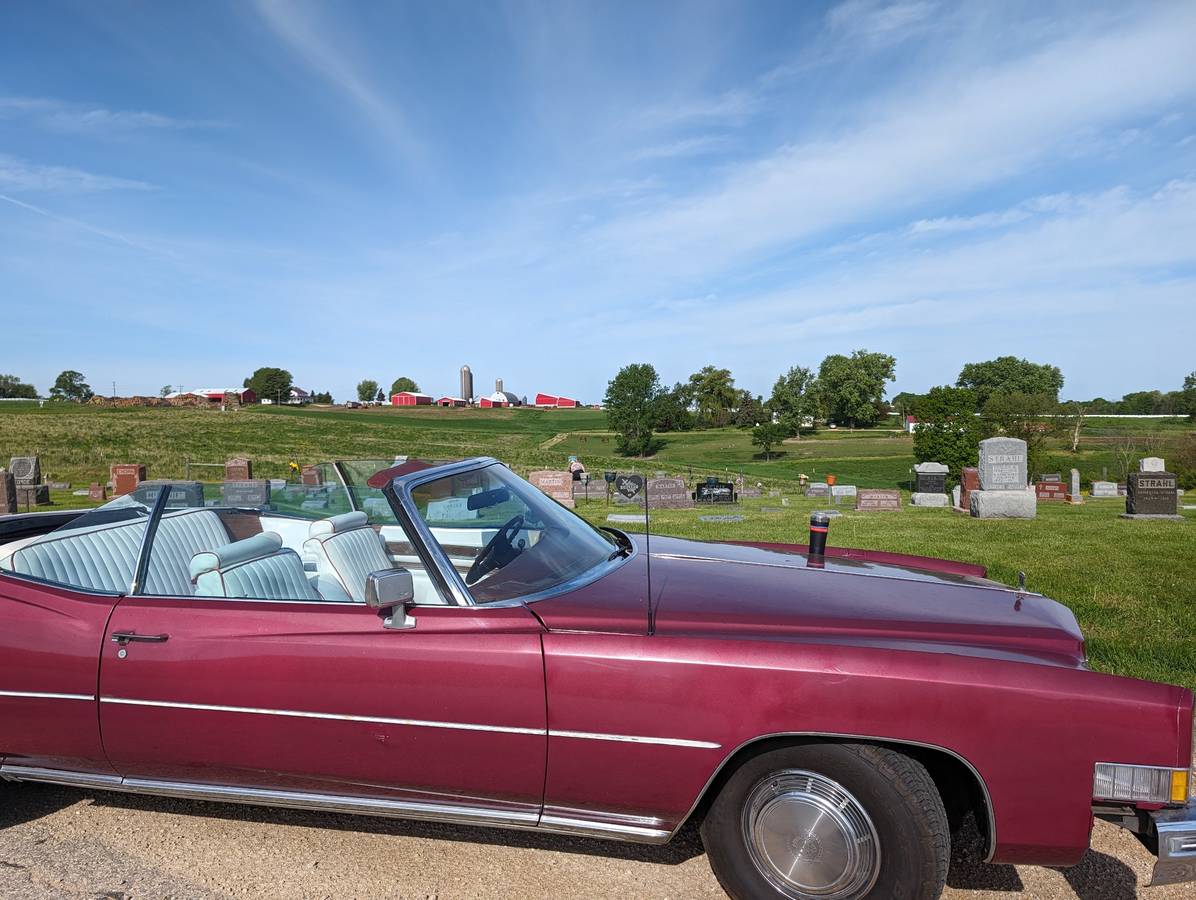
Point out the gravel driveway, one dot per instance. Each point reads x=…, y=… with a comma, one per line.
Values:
x=59, y=842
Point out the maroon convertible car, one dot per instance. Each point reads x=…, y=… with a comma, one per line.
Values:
x=445, y=642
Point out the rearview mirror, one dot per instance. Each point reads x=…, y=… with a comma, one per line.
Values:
x=391, y=589
x=486, y=499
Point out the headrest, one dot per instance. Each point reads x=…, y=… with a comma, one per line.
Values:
x=265, y=544
x=337, y=524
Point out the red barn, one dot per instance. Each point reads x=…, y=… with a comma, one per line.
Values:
x=410, y=398
x=551, y=401
x=452, y=401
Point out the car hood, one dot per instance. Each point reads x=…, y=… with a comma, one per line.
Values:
x=758, y=590
x=753, y=591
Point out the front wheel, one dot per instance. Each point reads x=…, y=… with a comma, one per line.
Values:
x=829, y=822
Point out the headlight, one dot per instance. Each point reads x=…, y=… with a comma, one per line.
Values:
x=1140, y=784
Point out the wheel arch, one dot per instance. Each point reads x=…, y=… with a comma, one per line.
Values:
x=960, y=785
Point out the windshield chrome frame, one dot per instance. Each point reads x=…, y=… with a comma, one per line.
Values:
x=405, y=484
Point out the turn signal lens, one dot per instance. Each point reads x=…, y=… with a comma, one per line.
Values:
x=1140, y=784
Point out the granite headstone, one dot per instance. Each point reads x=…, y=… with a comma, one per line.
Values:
x=249, y=492
x=125, y=477
x=669, y=493
x=555, y=483
x=877, y=500
x=8, y=493
x=1151, y=493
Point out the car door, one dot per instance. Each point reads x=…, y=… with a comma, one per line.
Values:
x=321, y=699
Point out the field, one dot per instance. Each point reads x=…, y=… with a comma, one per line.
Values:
x=1131, y=584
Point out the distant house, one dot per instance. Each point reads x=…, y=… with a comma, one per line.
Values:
x=911, y=424
x=452, y=401
x=410, y=398
x=552, y=401
x=298, y=396
x=500, y=399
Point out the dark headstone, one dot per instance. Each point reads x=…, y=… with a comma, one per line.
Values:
x=669, y=493
x=930, y=478
x=875, y=500
x=818, y=489
x=254, y=493
x=25, y=470
x=126, y=477
x=1051, y=477
x=8, y=493
x=182, y=493
x=556, y=483
x=238, y=469
x=628, y=486
x=1050, y=491
x=719, y=492
x=1151, y=494
x=33, y=495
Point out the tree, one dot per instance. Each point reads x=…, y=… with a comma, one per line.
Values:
x=904, y=403
x=714, y=392
x=766, y=436
x=403, y=383
x=795, y=399
x=1189, y=396
x=853, y=387
x=165, y=389
x=670, y=411
x=366, y=390
x=1010, y=375
x=631, y=401
x=270, y=383
x=12, y=387
x=1031, y=417
x=749, y=411
x=948, y=429
x=380, y=397
x=321, y=397
x=69, y=385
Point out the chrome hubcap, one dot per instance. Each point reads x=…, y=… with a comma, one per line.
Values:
x=810, y=838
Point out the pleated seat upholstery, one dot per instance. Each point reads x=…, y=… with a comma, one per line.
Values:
x=255, y=568
x=346, y=550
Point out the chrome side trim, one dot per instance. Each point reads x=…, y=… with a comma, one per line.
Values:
x=302, y=714
x=635, y=739
x=400, y=809
x=414, y=723
x=41, y=695
x=988, y=802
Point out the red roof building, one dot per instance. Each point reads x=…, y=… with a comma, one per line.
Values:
x=551, y=401
x=410, y=398
x=452, y=401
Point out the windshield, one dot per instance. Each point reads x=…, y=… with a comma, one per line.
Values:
x=505, y=537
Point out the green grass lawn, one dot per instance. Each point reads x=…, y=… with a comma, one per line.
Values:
x=1131, y=584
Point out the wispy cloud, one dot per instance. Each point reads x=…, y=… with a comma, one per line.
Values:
x=312, y=40
x=877, y=23
x=20, y=176
x=701, y=145
x=59, y=115
x=76, y=223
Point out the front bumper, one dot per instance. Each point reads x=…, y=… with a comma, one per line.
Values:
x=1174, y=832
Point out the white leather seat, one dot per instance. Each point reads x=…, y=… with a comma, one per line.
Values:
x=345, y=550
x=104, y=557
x=255, y=568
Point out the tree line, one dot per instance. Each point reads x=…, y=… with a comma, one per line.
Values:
x=845, y=390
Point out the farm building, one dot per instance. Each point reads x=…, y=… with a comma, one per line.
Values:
x=452, y=401
x=410, y=398
x=551, y=401
x=217, y=395
x=499, y=399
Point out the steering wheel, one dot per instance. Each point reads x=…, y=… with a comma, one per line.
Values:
x=499, y=550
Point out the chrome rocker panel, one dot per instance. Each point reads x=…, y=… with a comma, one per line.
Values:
x=610, y=827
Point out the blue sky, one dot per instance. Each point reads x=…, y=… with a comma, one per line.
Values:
x=549, y=191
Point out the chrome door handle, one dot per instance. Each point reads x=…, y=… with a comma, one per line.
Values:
x=124, y=637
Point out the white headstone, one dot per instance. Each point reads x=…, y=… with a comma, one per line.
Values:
x=1151, y=464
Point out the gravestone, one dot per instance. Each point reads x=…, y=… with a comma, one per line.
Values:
x=1103, y=489
x=838, y=491
x=1051, y=477
x=26, y=470
x=1152, y=464
x=238, y=469
x=310, y=475
x=750, y=492
x=556, y=484
x=716, y=492
x=33, y=495
x=182, y=493
x=969, y=480
x=8, y=493
x=636, y=518
x=1151, y=494
x=669, y=493
x=955, y=496
x=877, y=500
x=1074, y=495
x=58, y=485
x=97, y=493
x=1003, y=492
x=930, y=485
x=125, y=478
x=254, y=493
x=588, y=488
x=1050, y=492
x=721, y=518
x=628, y=487
x=818, y=489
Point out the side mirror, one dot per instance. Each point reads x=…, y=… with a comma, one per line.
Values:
x=391, y=590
